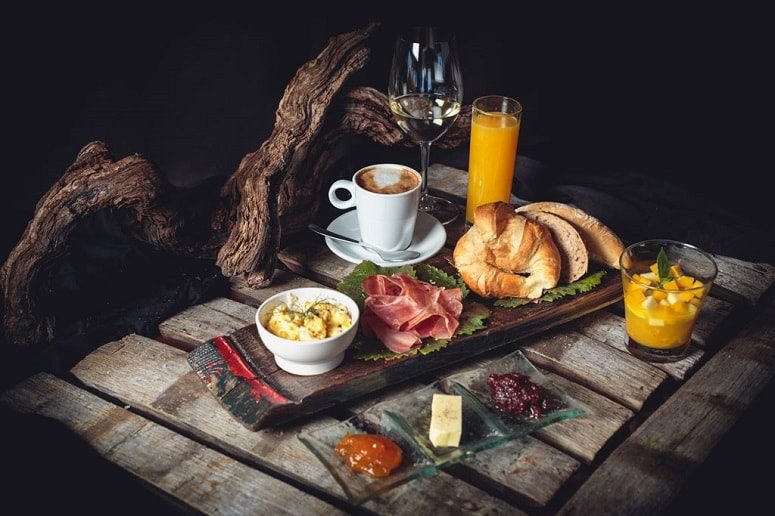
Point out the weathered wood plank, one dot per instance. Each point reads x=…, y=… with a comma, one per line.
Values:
x=315, y=261
x=524, y=470
x=603, y=369
x=713, y=313
x=240, y=291
x=170, y=391
x=199, y=323
x=197, y=476
x=645, y=473
x=580, y=437
x=745, y=281
x=583, y=437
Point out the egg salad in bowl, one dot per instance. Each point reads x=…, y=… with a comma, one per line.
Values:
x=315, y=320
x=308, y=329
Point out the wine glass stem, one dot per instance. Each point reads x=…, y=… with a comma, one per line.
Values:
x=425, y=154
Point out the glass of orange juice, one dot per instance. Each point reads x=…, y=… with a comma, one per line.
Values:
x=495, y=122
x=665, y=284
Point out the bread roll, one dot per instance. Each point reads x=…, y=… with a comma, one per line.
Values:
x=602, y=244
x=504, y=254
x=573, y=252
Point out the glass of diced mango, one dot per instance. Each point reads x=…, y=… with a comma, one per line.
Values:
x=665, y=284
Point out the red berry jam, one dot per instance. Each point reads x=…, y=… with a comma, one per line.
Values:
x=514, y=393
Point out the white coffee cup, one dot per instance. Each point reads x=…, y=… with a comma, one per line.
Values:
x=385, y=197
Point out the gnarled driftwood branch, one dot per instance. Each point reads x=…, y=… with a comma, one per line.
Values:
x=275, y=189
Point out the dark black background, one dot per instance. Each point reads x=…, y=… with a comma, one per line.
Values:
x=672, y=94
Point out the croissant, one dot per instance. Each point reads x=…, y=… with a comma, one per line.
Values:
x=504, y=254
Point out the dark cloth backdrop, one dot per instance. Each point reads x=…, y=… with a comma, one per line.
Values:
x=646, y=117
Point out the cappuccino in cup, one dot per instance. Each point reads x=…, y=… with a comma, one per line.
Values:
x=383, y=180
x=386, y=198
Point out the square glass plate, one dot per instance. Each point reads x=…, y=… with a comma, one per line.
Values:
x=406, y=419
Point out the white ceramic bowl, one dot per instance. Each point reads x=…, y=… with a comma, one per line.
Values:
x=307, y=357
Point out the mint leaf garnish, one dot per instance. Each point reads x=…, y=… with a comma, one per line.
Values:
x=663, y=266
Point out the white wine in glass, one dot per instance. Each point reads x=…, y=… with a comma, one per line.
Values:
x=425, y=93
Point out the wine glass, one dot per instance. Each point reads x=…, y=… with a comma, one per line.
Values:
x=425, y=94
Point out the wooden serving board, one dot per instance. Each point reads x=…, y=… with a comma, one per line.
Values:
x=243, y=375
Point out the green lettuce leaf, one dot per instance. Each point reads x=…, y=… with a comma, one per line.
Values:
x=579, y=286
x=438, y=277
x=473, y=318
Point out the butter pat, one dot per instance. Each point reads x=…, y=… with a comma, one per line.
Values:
x=446, y=420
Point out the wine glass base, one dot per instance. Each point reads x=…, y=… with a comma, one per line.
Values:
x=443, y=210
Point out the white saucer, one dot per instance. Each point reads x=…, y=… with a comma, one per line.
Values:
x=429, y=237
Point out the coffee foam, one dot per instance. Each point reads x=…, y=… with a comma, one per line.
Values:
x=384, y=178
x=388, y=180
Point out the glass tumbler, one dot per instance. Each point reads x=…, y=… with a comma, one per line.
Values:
x=663, y=296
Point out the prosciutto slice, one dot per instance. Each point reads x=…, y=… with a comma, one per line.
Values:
x=401, y=311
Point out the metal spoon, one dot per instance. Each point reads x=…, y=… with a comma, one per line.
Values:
x=388, y=256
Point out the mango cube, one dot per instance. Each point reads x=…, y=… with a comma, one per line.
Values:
x=671, y=285
x=676, y=271
x=640, y=279
x=685, y=296
x=681, y=307
x=659, y=295
x=685, y=281
x=654, y=269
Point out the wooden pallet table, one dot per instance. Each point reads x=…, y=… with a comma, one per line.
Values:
x=648, y=428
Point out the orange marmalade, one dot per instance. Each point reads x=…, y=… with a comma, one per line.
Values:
x=369, y=453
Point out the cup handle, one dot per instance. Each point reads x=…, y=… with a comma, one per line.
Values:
x=342, y=184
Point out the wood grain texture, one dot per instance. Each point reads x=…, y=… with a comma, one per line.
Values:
x=240, y=291
x=92, y=183
x=524, y=470
x=197, y=476
x=739, y=280
x=584, y=437
x=645, y=473
x=618, y=375
x=170, y=392
x=315, y=261
x=256, y=187
x=199, y=323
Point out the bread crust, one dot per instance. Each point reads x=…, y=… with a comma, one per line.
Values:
x=494, y=255
x=603, y=245
x=573, y=251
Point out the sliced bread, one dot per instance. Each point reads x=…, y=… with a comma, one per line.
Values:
x=602, y=244
x=573, y=251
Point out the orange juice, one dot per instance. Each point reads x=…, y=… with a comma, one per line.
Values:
x=493, y=151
